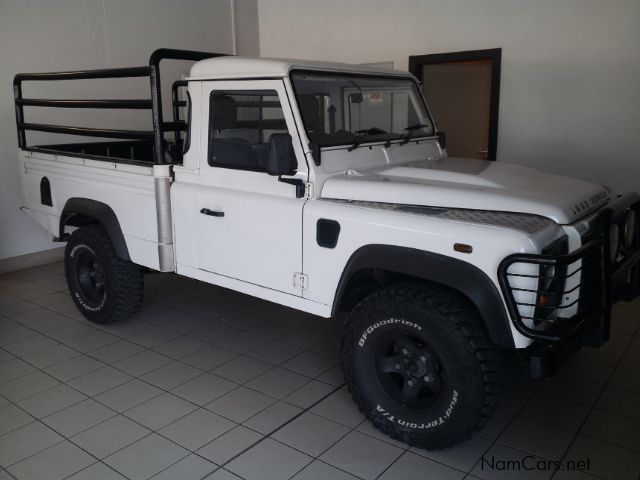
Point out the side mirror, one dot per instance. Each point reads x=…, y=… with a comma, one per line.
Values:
x=281, y=160
x=442, y=139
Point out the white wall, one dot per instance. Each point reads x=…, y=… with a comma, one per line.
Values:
x=570, y=85
x=44, y=35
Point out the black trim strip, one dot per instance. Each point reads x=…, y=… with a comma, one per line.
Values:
x=458, y=275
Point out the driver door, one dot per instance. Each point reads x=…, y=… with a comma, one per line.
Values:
x=250, y=223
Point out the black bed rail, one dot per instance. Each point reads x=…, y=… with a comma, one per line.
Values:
x=126, y=104
x=88, y=132
x=154, y=103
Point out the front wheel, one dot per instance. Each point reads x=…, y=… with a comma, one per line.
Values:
x=420, y=366
x=105, y=288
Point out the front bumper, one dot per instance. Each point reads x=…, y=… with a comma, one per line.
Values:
x=585, y=283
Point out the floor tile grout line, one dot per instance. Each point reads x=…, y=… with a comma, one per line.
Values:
x=494, y=441
x=2, y=469
x=64, y=439
x=544, y=422
x=533, y=393
x=203, y=318
x=152, y=348
x=148, y=383
x=93, y=464
x=258, y=347
x=152, y=431
x=140, y=377
x=593, y=407
x=145, y=348
x=174, y=394
x=69, y=439
x=194, y=452
x=118, y=413
x=315, y=457
x=263, y=437
x=627, y=417
x=321, y=399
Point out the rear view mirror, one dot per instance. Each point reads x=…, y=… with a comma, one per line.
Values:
x=281, y=159
x=442, y=139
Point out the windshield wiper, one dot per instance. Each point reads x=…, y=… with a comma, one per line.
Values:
x=410, y=129
x=362, y=135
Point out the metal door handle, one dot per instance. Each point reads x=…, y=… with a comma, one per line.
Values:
x=212, y=213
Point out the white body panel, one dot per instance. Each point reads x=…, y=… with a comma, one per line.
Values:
x=494, y=186
x=369, y=226
x=259, y=239
x=127, y=189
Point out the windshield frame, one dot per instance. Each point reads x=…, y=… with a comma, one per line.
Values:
x=399, y=139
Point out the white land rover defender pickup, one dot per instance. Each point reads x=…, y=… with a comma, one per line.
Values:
x=327, y=188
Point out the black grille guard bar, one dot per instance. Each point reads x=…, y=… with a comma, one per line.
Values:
x=617, y=279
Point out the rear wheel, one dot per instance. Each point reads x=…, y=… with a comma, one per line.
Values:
x=420, y=366
x=105, y=288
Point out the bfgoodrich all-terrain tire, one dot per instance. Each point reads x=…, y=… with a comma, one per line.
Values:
x=105, y=288
x=420, y=366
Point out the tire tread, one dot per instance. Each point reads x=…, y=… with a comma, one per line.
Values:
x=464, y=321
x=124, y=277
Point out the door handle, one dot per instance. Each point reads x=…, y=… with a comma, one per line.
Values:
x=212, y=213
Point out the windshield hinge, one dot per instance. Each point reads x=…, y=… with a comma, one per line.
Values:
x=300, y=281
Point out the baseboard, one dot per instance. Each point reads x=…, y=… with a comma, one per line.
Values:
x=30, y=260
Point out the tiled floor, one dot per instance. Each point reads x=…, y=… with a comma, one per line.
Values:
x=208, y=383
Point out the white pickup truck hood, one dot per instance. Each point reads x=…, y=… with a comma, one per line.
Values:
x=471, y=184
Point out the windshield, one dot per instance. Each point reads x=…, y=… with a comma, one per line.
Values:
x=350, y=109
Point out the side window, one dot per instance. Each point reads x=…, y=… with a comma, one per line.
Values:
x=240, y=126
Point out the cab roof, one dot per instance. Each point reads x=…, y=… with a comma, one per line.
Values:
x=255, y=67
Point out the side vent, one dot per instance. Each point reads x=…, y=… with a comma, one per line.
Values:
x=327, y=233
x=45, y=192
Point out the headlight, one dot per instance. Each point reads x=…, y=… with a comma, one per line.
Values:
x=630, y=228
x=614, y=241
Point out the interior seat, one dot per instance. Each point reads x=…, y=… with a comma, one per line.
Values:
x=312, y=118
x=234, y=152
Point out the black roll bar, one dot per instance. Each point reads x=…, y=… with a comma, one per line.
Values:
x=176, y=104
x=154, y=103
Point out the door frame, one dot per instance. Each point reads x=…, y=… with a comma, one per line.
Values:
x=236, y=189
x=494, y=55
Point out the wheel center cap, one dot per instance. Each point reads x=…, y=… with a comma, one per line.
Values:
x=415, y=367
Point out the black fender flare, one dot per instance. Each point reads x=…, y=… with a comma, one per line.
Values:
x=81, y=211
x=456, y=274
